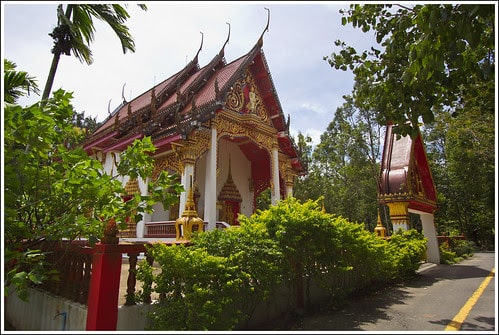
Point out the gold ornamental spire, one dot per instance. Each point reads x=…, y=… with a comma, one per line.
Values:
x=184, y=224
x=190, y=205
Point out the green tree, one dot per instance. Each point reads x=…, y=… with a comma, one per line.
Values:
x=461, y=154
x=75, y=31
x=428, y=59
x=53, y=190
x=306, y=186
x=86, y=124
x=345, y=169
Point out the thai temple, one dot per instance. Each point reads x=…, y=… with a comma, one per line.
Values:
x=220, y=127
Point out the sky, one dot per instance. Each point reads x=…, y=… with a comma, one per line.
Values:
x=168, y=35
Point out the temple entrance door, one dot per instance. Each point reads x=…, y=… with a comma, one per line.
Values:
x=230, y=212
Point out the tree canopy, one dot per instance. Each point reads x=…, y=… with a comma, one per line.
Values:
x=429, y=58
x=433, y=71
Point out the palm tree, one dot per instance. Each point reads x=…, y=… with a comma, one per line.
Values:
x=17, y=83
x=75, y=31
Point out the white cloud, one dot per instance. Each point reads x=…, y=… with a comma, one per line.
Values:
x=312, y=107
x=315, y=134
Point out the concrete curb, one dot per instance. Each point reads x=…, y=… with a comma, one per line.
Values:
x=425, y=266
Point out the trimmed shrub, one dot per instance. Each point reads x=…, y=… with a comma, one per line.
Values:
x=407, y=251
x=217, y=281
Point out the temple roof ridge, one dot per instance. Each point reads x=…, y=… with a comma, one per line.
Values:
x=405, y=174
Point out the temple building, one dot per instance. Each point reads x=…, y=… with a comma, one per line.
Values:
x=221, y=126
x=406, y=186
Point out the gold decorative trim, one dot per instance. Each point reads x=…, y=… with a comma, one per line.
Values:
x=188, y=151
x=132, y=187
x=168, y=162
x=236, y=125
x=244, y=98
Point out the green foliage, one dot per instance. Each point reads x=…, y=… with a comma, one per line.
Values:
x=463, y=248
x=54, y=190
x=144, y=273
x=217, y=282
x=263, y=201
x=197, y=290
x=250, y=247
x=341, y=255
x=408, y=249
x=343, y=167
x=80, y=28
x=453, y=250
x=461, y=151
x=447, y=256
x=429, y=56
x=16, y=83
x=75, y=30
x=25, y=269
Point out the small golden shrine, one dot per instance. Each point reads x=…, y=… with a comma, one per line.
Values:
x=380, y=230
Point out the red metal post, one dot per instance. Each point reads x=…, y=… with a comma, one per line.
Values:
x=102, y=312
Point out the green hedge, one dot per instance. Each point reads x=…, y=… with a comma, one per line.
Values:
x=217, y=281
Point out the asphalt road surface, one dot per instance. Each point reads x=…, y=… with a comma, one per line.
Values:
x=455, y=297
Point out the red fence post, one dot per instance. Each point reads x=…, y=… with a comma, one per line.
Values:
x=102, y=312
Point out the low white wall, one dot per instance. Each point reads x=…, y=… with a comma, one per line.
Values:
x=47, y=312
x=132, y=317
x=283, y=303
x=44, y=311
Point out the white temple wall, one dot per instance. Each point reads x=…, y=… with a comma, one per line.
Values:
x=109, y=164
x=159, y=214
x=240, y=169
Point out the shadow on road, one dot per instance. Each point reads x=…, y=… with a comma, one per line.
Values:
x=373, y=306
x=357, y=310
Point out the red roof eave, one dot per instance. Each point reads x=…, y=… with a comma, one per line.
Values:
x=122, y=144
x=99, y=141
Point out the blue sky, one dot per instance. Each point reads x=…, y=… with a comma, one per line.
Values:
x=168, y=35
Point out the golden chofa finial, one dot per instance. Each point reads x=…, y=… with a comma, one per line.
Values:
x=260, y=40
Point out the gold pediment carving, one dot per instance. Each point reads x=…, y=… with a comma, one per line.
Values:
x=244, y=98
x=232, y=125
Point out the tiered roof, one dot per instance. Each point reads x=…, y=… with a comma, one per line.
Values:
x=172, y=109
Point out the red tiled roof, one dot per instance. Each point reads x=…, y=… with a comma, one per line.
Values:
x=175, y=97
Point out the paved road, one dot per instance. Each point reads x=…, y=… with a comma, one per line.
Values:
x=462, y=296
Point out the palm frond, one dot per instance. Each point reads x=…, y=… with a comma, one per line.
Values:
x=17, y=83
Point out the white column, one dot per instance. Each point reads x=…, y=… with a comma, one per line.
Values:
x=276, y=194
x=210, y=193
x=185, y=181
x=140, y=226
x=289, y=191
x=429, y=231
